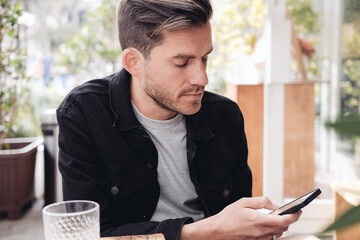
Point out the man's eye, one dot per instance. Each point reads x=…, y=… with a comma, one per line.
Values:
x=181, y=64
x=204, y=60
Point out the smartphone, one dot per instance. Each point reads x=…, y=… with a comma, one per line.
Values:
x=297, y=204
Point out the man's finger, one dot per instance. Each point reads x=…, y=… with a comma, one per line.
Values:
x=257, y=203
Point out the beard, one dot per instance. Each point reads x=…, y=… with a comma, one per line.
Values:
x=166, y=100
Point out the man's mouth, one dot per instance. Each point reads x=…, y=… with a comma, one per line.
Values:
x=193, y=94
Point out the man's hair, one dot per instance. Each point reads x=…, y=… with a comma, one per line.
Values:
x=141, y=23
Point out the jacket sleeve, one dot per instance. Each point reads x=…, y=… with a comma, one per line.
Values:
x=82, y=178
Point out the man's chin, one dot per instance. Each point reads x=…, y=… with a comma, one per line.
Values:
x=190, y=110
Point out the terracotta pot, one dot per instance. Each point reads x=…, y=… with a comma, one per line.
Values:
x=17, y=167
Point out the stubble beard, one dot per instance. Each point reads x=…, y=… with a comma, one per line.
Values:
x=163, y=98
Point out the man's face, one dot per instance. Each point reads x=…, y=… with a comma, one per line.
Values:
x=174, y=76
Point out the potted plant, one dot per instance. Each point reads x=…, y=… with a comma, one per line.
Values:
x=347, y=127
x=17, y=155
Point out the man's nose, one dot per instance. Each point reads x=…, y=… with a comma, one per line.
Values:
x=198, y=76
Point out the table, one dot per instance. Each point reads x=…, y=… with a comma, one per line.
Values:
x=300, y=237
x=158, y=236
x=161, y=237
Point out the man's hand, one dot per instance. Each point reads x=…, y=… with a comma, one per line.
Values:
x=241, y=221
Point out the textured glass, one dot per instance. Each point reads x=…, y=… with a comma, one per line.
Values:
x=72, y=220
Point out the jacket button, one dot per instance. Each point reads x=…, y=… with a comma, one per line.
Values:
x=150, y=166
x=226, y=192
x=145, y=217
x=114, y=190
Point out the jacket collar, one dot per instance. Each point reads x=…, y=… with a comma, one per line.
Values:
x=197, y=126
x=120, y=103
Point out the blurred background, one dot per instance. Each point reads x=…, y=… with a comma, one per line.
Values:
x=61, y=44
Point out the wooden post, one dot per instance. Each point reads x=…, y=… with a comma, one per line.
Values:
x=277, y=72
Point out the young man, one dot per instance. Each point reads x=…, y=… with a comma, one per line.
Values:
x=151, y=146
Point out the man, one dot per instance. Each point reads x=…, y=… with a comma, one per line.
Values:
x=156, y=151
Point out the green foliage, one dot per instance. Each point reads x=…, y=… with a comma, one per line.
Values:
x=351, y=10
x=306, y=21
x=240, y=23
x=347, y=219
x=95, y=44
x=241, y=20
x=348, y=126
x=25, y=124
x=13, y=79
x=351, y=87
x=236, y=27
x=350, y=38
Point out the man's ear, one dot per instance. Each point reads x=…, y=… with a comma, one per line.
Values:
x=132, y=61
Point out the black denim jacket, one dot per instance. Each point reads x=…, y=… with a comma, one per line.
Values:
x=106, y=156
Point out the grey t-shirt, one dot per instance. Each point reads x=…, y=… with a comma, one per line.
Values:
x=177, y=193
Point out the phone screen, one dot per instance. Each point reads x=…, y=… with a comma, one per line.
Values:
x=298, y=203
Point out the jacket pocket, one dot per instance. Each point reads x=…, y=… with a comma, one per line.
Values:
x=125, y=187
x=217, y=192
x=124, y=182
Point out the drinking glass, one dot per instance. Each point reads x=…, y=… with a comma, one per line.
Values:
x=77, y=219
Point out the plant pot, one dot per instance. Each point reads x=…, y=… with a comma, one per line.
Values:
x=17, y=167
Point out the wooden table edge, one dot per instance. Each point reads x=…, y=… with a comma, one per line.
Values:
x=158, y=236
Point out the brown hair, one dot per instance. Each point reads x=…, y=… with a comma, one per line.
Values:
x=141, y=23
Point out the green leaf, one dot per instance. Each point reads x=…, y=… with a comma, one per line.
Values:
x=17, y=5
x=11, y=33
x=349, y=218
x=347, y=126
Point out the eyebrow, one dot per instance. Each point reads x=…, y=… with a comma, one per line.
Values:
x=184, y=56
